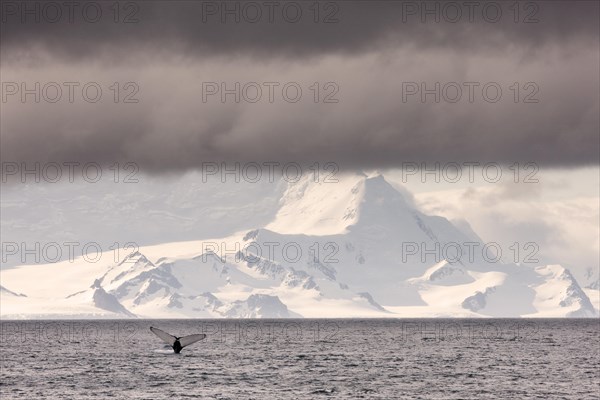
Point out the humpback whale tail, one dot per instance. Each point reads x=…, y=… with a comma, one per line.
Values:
x=177, y=343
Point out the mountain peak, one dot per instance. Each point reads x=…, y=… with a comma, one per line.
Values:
x=331, y=206
x=375, y=174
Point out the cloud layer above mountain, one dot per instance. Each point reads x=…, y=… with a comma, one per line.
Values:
x=366, y=58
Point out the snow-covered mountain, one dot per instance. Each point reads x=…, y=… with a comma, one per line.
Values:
x=352, y=248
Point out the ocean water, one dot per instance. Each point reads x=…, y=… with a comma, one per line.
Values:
x=302, y=359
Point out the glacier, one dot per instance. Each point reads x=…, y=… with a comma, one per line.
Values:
x=354, y=248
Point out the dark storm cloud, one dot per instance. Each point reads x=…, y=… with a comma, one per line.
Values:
x=371, y=52
x=204, y=28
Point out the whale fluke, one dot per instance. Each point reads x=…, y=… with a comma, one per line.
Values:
x=177, y=343
x=187, y=340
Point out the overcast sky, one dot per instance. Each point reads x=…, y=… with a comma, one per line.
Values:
x=369, y=58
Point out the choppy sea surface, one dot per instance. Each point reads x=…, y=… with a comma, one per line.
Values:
x=302, y=359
